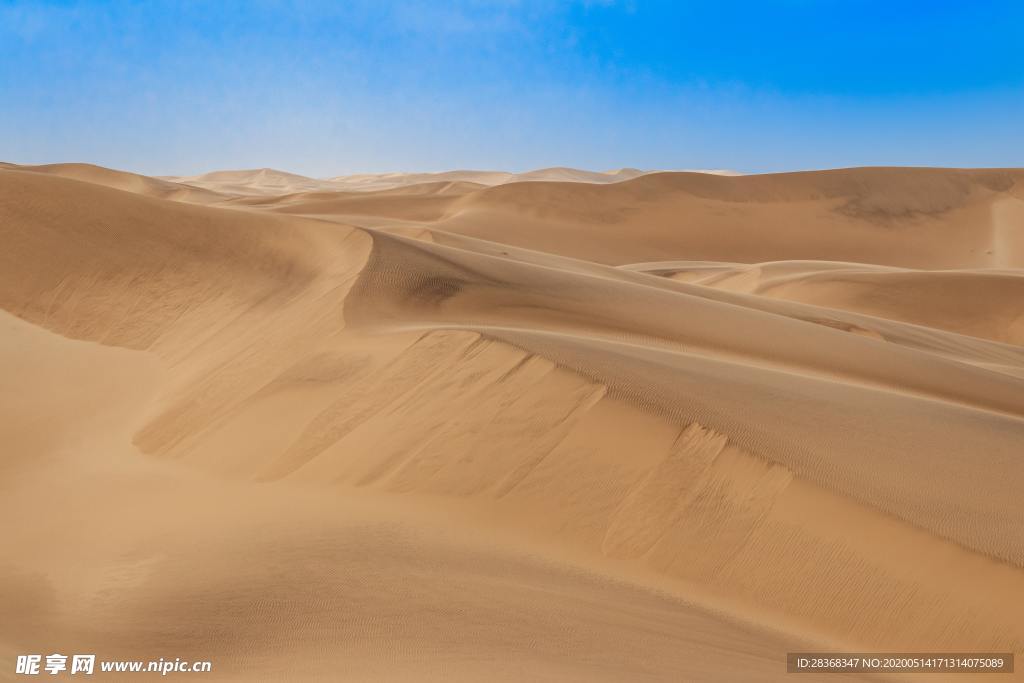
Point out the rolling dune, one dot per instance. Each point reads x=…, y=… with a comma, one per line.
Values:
x=270, y=182
x=624, y=426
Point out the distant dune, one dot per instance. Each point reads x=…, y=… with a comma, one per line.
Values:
x=267, y=181
x=559, y=425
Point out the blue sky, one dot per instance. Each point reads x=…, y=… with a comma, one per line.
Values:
x=325, y=88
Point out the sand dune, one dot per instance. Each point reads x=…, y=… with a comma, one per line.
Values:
x=271, y=182
x=920, y=218
x=258, y=182
x=130, y=182
x=268, y=181
x=385, y=181
x=451, y=426
x=980, y=303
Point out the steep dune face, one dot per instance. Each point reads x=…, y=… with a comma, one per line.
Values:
x=125, y=556
x=556, y=431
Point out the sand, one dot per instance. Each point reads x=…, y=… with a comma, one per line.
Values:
x=550, y=426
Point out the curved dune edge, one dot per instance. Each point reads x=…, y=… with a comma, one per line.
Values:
x=429, y=453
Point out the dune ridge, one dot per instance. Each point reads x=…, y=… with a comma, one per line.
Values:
x=664, y=427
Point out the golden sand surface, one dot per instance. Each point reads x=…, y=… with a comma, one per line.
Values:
x=485, y=426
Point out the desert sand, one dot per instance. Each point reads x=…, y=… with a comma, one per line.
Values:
x=473, y=426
